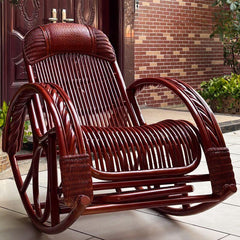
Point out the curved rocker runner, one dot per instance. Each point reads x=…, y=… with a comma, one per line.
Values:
x=84, y=119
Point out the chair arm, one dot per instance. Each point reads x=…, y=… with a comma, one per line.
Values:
x=65, y=125
x=69, y=116
x=60, y=107
x=75, y=168
x=203, y=116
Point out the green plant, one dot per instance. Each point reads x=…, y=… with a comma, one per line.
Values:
x=3, y=116
x=227, y=27
x=219, y=89
x=27, y=131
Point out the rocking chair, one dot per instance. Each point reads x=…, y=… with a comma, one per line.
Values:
x=84, y=119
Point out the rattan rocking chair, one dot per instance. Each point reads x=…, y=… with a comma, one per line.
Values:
x=83, y=117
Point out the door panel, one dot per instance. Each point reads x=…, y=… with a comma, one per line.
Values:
x=25, y=16
x=18, y=20
x=86, y=12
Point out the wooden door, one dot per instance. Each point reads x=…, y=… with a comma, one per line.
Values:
x=16, y=21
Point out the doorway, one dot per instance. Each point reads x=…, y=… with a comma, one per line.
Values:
x=17, y=20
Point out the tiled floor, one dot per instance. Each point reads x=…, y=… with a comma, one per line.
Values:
x=220, y=222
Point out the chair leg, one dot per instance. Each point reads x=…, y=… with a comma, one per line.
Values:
x=53, y=179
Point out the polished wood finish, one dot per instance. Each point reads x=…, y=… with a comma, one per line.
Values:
x=83, y=116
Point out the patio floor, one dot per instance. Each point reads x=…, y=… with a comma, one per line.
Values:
x=220, y=222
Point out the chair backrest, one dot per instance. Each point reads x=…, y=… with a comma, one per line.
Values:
x=82, y=61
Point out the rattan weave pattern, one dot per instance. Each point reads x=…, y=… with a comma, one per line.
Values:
x=76, y=177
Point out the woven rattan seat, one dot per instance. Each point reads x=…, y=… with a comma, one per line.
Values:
x=157, y=146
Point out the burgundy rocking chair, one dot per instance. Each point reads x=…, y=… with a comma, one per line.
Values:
x=84, y=118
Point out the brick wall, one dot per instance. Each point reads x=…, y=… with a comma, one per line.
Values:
x=172, y=40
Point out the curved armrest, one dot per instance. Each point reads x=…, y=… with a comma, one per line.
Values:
x=210, y=132
x=62, y=121
x=69, y=116
x=60, y=107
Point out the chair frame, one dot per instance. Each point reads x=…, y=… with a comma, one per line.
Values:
x=76, y=194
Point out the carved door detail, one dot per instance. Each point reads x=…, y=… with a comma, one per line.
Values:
x=19, y=19
x=86, y=12
x=25, y=16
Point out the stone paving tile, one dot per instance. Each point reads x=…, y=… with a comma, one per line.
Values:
x=18, y=226
x=137, y=225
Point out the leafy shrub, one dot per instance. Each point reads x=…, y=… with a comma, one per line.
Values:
x=227, y=27
x=222, y=93
x=221, y=87
x=3, y=116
